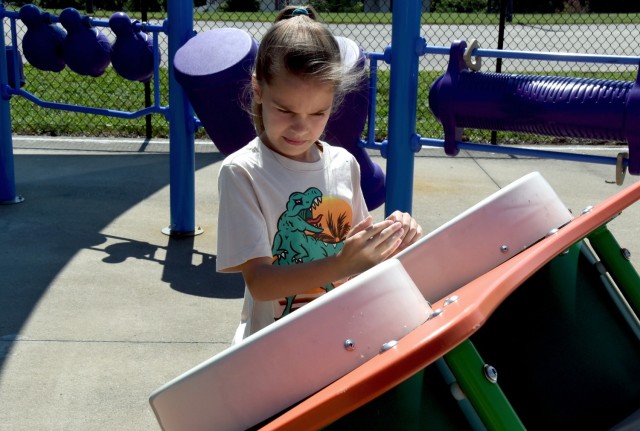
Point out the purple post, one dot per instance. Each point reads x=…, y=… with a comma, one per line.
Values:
x=345, y=127
x=214, y=68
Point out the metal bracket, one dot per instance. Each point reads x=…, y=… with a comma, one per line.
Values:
x=621, y=167
x=475, y=62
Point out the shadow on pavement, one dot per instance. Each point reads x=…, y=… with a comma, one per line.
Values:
x=69, y=200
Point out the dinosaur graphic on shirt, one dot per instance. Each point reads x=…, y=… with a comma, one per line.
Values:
x=301, y=238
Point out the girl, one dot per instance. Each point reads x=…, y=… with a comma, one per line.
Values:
x=292, y=215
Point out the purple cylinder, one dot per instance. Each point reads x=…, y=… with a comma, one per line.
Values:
x=214, y=68
x=345, y=127
x=543, y=105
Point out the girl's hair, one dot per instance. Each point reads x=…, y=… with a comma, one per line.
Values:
x=300, y=45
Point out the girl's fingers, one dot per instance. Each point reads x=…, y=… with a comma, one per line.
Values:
x=363, y=225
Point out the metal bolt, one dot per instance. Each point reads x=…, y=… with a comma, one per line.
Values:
x=625, y=253
x=451, y=300
x=504, y=248
x=552, y=231
x=490, y=373
x=349, y=344
x=436, y=312
x=587, y=209
x=388, y=345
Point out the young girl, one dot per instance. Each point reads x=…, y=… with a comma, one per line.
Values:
x=292, y=215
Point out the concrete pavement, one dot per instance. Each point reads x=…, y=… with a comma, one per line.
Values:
x=99, y=308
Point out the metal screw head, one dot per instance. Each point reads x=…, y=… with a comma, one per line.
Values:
x=587, y=209
x=490, y=373
x=436, y=312
x=553, y=231
x=388, y=345
x=625, y=253
x=349, y=344
x=451, y=300
x=504, y=248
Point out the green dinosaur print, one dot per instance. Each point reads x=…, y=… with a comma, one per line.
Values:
x=297, y=239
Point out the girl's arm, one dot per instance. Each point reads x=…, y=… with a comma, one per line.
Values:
x=367, y=245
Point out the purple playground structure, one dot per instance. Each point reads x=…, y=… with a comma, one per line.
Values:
x=543, y=105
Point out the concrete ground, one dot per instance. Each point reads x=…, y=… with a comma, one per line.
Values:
x=98, y=308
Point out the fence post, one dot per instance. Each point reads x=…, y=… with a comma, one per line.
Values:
x=501, y=26
x=403, y=94
x=7, y=174
x=147, y=84
x=181, y=128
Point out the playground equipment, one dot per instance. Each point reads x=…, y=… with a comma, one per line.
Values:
x=544, y=318
x=51, y=48
x=367, y=315
x=216, y=65
x=42, y=43
x=542, y=105
x=132, y=52
x=85, y=49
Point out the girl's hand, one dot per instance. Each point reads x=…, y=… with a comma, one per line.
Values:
x=369, y=244
x=412, y=230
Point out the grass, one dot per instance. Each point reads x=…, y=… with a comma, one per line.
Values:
x=110, y=91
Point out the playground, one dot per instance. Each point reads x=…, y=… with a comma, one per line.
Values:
x=105, y=308
x=108, y=258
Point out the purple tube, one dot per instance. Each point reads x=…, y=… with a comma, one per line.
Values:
x=214, y=68
x=543, y=105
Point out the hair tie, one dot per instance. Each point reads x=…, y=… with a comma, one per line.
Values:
x=300, y=11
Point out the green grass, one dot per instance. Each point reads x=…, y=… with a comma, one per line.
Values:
x=110, y=91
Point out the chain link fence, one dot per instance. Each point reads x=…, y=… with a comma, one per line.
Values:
x=556, y=25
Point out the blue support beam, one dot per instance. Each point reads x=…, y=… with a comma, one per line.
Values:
x=181, y=128
x=7, y=173
x=403, y=93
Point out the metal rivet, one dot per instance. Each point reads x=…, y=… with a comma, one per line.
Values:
x=587, y=209
x=436, y=312
x=490, y=373
x=451, y=300
x=349, y=344
x=388, y=345
x=552, y=231
x=625, y=253
x=504, y=248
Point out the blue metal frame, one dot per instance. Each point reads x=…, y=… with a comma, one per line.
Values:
x=181, y=128
x=182, y=123
x=403, y=96
x=7, y=176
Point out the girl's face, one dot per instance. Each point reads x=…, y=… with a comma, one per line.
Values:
x=294, y=112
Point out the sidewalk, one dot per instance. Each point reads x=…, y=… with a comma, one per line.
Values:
x=99, y=308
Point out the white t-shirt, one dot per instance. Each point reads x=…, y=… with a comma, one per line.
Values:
x=291, y=211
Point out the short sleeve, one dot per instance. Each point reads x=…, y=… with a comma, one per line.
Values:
x=242, y=229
